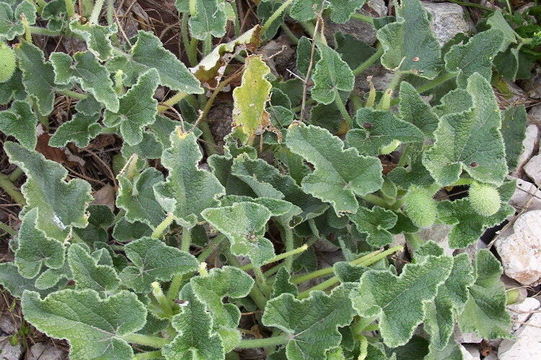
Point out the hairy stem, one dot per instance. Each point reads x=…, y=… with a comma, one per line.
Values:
x=96, y=11
x=368, y=62
x=367, y=19
x=258, y=343
x=342, y=108
x=8, y=229
x=11, y=190
x=275, y=15
x=213, y=245
x=162, y=227
x=148, y=355
x=186, y=239
x=70, y=8
x=285, y=255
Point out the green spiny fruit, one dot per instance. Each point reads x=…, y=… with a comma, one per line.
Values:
x=7, y=62
x=484, y=198
x=420, y=207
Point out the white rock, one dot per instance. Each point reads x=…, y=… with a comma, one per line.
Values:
x=470, y=352
x=526, y=345
x=526, y=196
x=520, y=252
x=439, y=233
x=447, y=20
x=535, y=114
x=466, y=338
x=529, y=144
x=42, y=351
x=533, y=169
x=10, y=352
x=521, y=312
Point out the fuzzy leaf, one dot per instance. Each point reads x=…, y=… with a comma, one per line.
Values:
x=468, y=224
x=244, y=225
x=339, y=174
x=384, y=295
x=331, y=75
x=86, y=70
x=154, y=261
x=61, y=205
x=304, y=10
x=250, y=98
x=80, y=130
x=20, y=122
x=136, y=196
x=375, y=223
x=409, y=44
x=341, y=10
x=187, y=190
x=41, y=88
x=35, y=250
x=196, y=338
x=10, y=18
x=485, y=311
x=99, y=324
x=148, y=148
x=137, y=109
x=414, y=110
x=149, y=53
x=513, y=130
x=475, y=56
x=88, y=274
x=97, y=38
x=310, y=324
x=470, y=140
x=379, y=129
x=208, y=19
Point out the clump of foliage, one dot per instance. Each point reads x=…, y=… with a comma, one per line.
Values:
x=135, y=283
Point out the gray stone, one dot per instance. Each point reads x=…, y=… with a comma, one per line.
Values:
x=470, y=352
x=467, y=338
x=521, y=312
x=520, y=252
x=10, y=352
x=527, y=342
x=41, y=351
x=439, y=233
x=447, y=21
x=529, y=144
x=533, y=169
x=526, y=196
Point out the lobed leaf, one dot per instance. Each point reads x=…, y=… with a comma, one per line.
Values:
x=20, y=122
x=10, y=18
x=80, y=130
x=88, y=274
x=331, y=75
x=97, y=38
x=376, y=223
x=207, y=19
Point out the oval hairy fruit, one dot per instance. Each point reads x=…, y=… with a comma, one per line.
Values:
x=420, y=207
x=7, y=62
x=484, y=198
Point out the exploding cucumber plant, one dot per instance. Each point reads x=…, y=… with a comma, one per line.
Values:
x=210, y=250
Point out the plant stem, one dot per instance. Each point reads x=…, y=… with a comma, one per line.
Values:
x=110, y=12
x=184, y=34
x=36, y=30
x=146, y=340
x=148, y=355
x=210, y=144
x=342, y=108
x=368, y=62
x=414, y=241
x=11, y=190
x=294, y=39
x=334, y=280
x=174, y=287
x=436, y=82
x=207, y=45
x=275, y=16
x=72, y=94
x=255, y=293
x=367, y=19
x=163, y=301
x=290, y=245
x=278, y=257
x=213, y=245
x=172, y=101
x=470, y=4
x=160, y=229
x=376, y=200
x=16, y=174
x=186, y=239
x=96, y=11
x=258, y=343
x=8, y=229
x=70, y=8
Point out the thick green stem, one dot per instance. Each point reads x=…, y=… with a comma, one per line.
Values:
x=275, y=15
x=213, y=245
x=255, y=294
x=184, y=35
x=70, y=8
x=414, y=241
x=436, y=82
x=96, y=11
x=259, y=343
x=342, y=108
x=163, y=226
x=282, y=256
x=72, y=94
x=16, y=174
x=376, y=200
x=172, y=101
x=368, y=62
x=148, y=355
x=364, y=18
x=210, y=144
x=8, y=229
x=207, y=45
x=289, y=243
x=165, y=303
x=110, y=12
x=174, y=287
x=146, y=340
x=186, y=239
x=11, y=190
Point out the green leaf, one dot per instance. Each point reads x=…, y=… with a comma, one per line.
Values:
x=12, y=89
x=470, y=140
x=341, y=10
x=137, y=109
x=136, y=196
x=154, y=261
x=208, y=18
x=484, y=311
x=468, y=224
x=513, y=129
x=384, y=295
x=187, y=190
x=196, y=338
x=40, y=88
x=331, y=75
x=497, y=21
x=414, y=110
x=125, y=231
x=304, y=10
x=282, y=284
x=409, y=44
x=35, y=250
x=20, y=122
x=379, y=129
x=149, y=53
x=148, y=148
x=80, y=131
x=86, y=70
x=442, y=313
x=339, y=174
x=61, y=205
x=88, y=274
x=310, y=324
x=100, y=220
x=475, y=56
x=250, y=98
x=100, y=323
x=375, y=223
x=97, y=38
x=244, y=225
x=10, y=18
